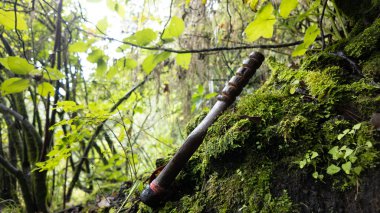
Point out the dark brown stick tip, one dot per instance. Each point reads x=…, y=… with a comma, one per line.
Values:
x=153, y=195
x=258, y=56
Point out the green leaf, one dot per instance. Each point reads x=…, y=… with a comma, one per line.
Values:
x=151, y=61
x=292, y=90
x=183, y=60
x=69, y=106
x=95, y=55
x=211, y=95
x=369, y=144
x=300, y=50
x=340, y=136
x=111, y=72
x=102, y=25
x=314, y=155
x=142, y=37
x=357, y=170
x=302, y=163
x=17, y=65
x=101, y=67
x=335, y=152
x=253, y=4
x=7, y=19
x=175, y=28
x=347, y=167
x=52, y=74
x=352, y=158
x=126, y=63
x=14, y=85
x=348, y=152
x=333, y=169
x=357, y=126
x=263, y=24
x=4, y=62
x=44, y=89
x=315, y=175
x=287, y=6
x=310, y=35
x=78, y=47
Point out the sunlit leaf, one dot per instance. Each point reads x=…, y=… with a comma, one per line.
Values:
x=253, y=4
x=4, y=62
x=211, y=95
x=44, y=89
x=69, y=106
x=357, y=126
x=151, y=61
x=357, y=170
x=183, y=60
x=95, y=55
x=335, y=152
x=174, y=29
x=142, y=37
x=7, y=19
x=333, y=169
x=111, y=72
x=102, y=25
x=14, y=85
x=315, y=175
x=101, y=67
x=314, y=155
x=369, y=144
x=17, y=65
x=287, y=6
x=302, y=163
x=310, y=35
x=348, y=152
x=126, y=63
x=263, y=24
x=347, y=167
x=79, y=46
x=52, y=74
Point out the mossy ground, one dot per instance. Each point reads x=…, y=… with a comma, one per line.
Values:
x=300, y=143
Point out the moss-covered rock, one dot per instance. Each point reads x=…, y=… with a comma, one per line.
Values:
x=301, y=142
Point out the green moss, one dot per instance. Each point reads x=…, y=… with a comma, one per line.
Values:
x=232, y=138
x=241, y=191
x=365, y=43
x=371, y=68
x=194, y=122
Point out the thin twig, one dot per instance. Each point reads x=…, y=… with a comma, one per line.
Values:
x=321, y=25
x=167, y=22
x=215, y=49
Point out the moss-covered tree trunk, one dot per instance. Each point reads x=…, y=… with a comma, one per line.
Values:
x=315, y=149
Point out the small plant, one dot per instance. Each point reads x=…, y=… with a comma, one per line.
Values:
x=355, y=154
x=346, y=159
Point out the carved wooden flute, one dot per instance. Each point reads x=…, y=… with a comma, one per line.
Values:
x=157, y=191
